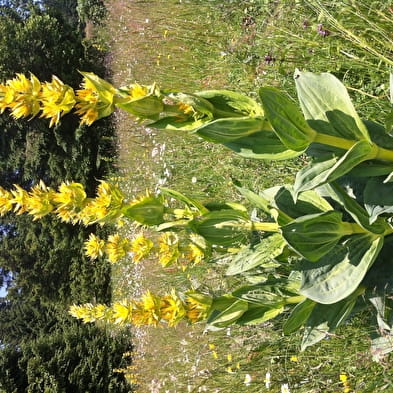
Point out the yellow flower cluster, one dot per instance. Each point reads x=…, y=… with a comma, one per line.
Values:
x=69, y=202
x=117, y=247
x=170, y=251
x=149, y=310
x=27, y=97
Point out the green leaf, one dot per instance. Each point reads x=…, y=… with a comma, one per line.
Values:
x=281, y=199
x=299, y=316
x=149, y=211
x=262, y=254
x=229, y=129
x=326, y=318
x=255, y=199
x=225, y=311
x=259, y=314
x=357, y=212
x=339, y=273
x=325, y=170
x=314, y=235
x=222, y=227
x=286, y=119
x=327, y=107
x=227, y=103
x=185, y=199
x=378, y=198
x=202, y=107
x=266, y=294
x=262, y=145
x=176, y=123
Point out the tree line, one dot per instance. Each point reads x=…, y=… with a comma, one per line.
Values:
x=42, y=349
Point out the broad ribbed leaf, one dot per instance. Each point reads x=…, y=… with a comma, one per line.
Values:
x=286, y=119
x=222, y=227
x=225, y=311
x=262, y=145
x=327, y=107
x=259, y=314
x=314, y=235
x=326, y=318
x=325, y=170
x=185, y=199
x=339, y=273
x=299, y=316
x=230, y=129
x=263, y=294
x=255, y=199
x=228, y=103
x=281, y=198
x=262, y=254
x=378, y=198
x=358, y=213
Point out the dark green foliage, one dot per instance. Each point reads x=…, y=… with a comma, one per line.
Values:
x=47, y=351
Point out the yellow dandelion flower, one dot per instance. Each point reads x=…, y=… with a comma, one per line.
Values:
x=294, y=358
x=57, y=99
x=117, y=248
x=229, y=357
x=343, y=378
x=172, y=308
x=94, y=247
x=212, y=346
x=140, y=247
x=215, y=355
x=39, y=201
x=26, y=94
x=168, y=252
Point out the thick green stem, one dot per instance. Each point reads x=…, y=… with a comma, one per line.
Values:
x=264, y=226
x=377, y=152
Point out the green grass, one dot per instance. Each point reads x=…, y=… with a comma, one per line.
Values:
x=214, y=44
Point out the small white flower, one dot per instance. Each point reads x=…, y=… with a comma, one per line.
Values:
x=194, y=179
x=267, y=380
x=285, y=388
x=247, y=379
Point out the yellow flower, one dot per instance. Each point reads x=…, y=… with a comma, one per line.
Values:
x=168, y=252
x=194, y=253
x=6, y=97
x=6, y=202
x=197, y=307
x=294, y=358
x=172, y=308
x=95, y=99
x=19, y=199
x=116, y=248
x=137, y=91
x=40, y=200
x=26, y=94
x=147, y=311
x=343, y=378
x=122, y=312
x=94, y=247
x=57, y=99
x=70, y=200
x=140, y=247
x=105, y=207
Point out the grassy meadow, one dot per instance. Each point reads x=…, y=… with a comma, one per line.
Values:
x=238, y=45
